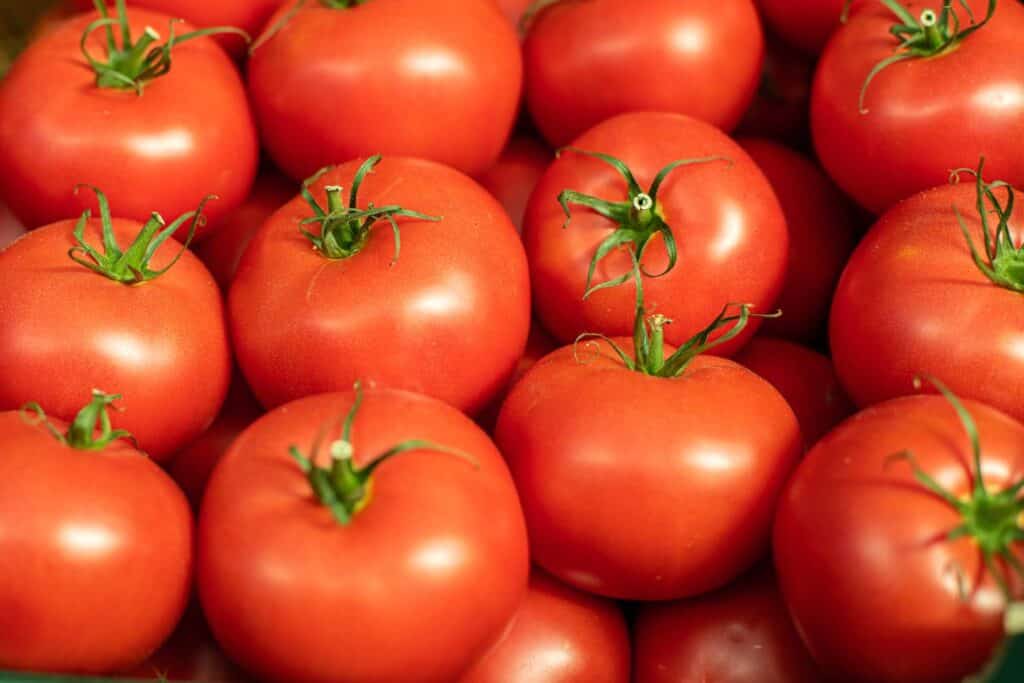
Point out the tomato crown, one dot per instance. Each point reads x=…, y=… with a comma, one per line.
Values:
x=284, y=20
x=639, y=217
x=130, y=266
x=81, y=434
x=344, y=229
x=134, y=64
x=1003, y=262
x=344, y=488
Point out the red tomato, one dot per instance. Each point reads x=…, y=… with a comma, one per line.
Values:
x=822, y=233
x=10, y=228
x=162, y=343
x=730, y=231
x=780, y=109
x=913, y=301
x=879, y=586
x=806, y=24
x=559, y=635
x=222, y=251
x=538, y=345
x=805, y=379
x=513, y=178
x=915, y=129
x=95, y=547
x=448, y=318
x=740, y=634
x=188, y=135
x=585, y=62
x=437, y=80
x=433, y=560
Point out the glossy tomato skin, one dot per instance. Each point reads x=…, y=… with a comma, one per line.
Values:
x=438, y=80
x=160, y=151
x=823, y=230
x=894, y=150
x=805, y=24
x=449, y=319
x=805, y=378
x=559, y=635
x=740, y=634
x=162, y=344
x=861, y=548
x=441, y=541
x=95, y=553
x=729, y=229
x=585, y=62
x=624, y=477
x=512, y=179
x=911, y=301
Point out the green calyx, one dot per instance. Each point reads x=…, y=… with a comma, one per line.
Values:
x=992, y=518
x=929, y=35
x=343, y=487
x=639, y=217
x=1003, y=261
x=135, y=63
x=130, y=266
x=344, y=229
x=82, y=433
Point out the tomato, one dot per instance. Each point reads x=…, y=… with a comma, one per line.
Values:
x=559, y=635
x=740, y=634
x=780, y=109
x=513, y=178
x=728, y=227
x=222, y=251
x=447, y=317
x=435, y=537
x=162, y=342
x=822, y=233
x=805, y=378
x=585, y=62
x=538, y=345
x=191, y=127
x=806, y=24
x=514, y=9
x=884, y=583
x=912, y=301
x=437, y=80
x=10, y=228
x=95, y=546
x=912, y=129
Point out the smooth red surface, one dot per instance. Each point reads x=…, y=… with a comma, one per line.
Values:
x=449, y=319
x=513, y=178
x=805, y=378
x=187, y=136
x=822, y=233
x=585, y=62
x=806, y=24
x=740, y=634
x=95, y=552
x=925, y=116
x=437, y=80
x=162, y=344
x=559, y=635
x=435, y=564
x=912, y=302
x=861, y=548
x=729, y=229
x=780, y=109
x=645, y=488
x=538, y=345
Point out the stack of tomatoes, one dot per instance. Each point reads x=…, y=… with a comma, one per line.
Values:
x=506, y=341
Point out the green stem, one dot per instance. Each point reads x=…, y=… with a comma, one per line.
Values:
x=82, y=432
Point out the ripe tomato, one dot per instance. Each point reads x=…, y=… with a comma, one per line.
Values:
x=559, y=635
x=538, y=345
x=740, y=634
x=513, y=178
x=95, y=546
x=189, y=134
x=585, y=62
x=448, y=318
x=437, y=80
x=163, y=343
x=911, y=130
x=822, y=233
x=806, y=24
x=431, y=540
x=730, y=231
x=780, y=109
x=882, y=584
x=912, y=301
x=805, y=378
